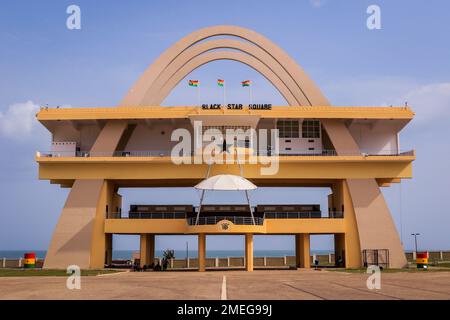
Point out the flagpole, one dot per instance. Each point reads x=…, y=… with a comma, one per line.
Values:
x=250, y=93
x=198, y=95
x=224, y=95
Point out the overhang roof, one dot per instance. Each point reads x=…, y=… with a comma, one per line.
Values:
x=186, y=112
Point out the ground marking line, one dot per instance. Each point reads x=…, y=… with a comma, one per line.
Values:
x=302, y=290
x=223, y=294
x=112, y=273
x=367, y=291
x=418, y=289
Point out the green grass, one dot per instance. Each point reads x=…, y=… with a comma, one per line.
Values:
x=50, y=272
x=443, y=265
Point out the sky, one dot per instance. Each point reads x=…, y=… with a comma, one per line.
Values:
x=44, y=63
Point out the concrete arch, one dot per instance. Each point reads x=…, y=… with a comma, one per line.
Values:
x=312, y=93
x=245, y=47
x=223, y=55
x=79, y=237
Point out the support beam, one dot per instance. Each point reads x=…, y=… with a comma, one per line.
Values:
x=151, y=248
x=374, y=222
x=147, y=251
x=108, y=248
x=249, y=252
x=339, y=250
x=201, y=252
x=78, y=237
x=302, y=250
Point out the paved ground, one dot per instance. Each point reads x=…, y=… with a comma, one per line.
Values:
x=273, y=284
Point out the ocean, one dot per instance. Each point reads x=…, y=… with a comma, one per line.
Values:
x=179, y=254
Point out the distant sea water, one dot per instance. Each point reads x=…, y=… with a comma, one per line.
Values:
x=179, y=254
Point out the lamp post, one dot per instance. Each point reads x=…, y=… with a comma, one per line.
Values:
x=415, y=239
x=187, y=250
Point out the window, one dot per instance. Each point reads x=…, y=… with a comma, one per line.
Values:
x=311, y=129
x=288, y=128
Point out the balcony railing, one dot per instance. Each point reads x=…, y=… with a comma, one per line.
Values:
x=303, y=215
x=234, y=219
x=149, y=215
x=167, y=153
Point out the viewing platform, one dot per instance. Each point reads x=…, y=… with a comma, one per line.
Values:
x=221, y=218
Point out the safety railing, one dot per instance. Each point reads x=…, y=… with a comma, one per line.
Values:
x=303, y=215
x=234, y=219
x=269, y=153
x=238, y=219
x=149, y=215
x=87, y=154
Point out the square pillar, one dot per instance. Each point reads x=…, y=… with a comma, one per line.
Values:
x=108, y=248
x=339, y=250
x=151, y=248
x=302, y=254
x=249, y=252
x=147, y=249
x=201, y=251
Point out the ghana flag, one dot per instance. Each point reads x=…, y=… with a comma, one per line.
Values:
x=220, y=82
x=194, y=83
x=246, y=83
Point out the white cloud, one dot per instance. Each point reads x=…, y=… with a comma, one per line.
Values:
x=430, y=102
x=317, y=3
x=18, y=120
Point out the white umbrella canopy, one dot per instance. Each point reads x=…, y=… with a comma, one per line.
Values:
x=227, y=182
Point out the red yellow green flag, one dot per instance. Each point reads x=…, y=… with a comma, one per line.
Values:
x=194, y=83
x=220, y=82
x=246, y=83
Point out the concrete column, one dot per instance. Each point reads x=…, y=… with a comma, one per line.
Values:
x=441, y=255
x=265, y=261
x=187, y=262
x=302, y=250
x=108, y=248
x=285, y=260
x=4, y=262
x=147, y=253
x=151, y=248
x=217, y=261
x=249, y=252
x=20, y=262
x=339, y=250
x=228, y=261
x=143, y=250
x=201, y=251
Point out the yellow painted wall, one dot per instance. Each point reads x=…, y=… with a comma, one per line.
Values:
x=88, y=168
x=180, y=226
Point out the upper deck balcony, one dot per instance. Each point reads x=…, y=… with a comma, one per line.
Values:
x=269, y=153
x=305, y=150
x=223, y=219
x=158, y=168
